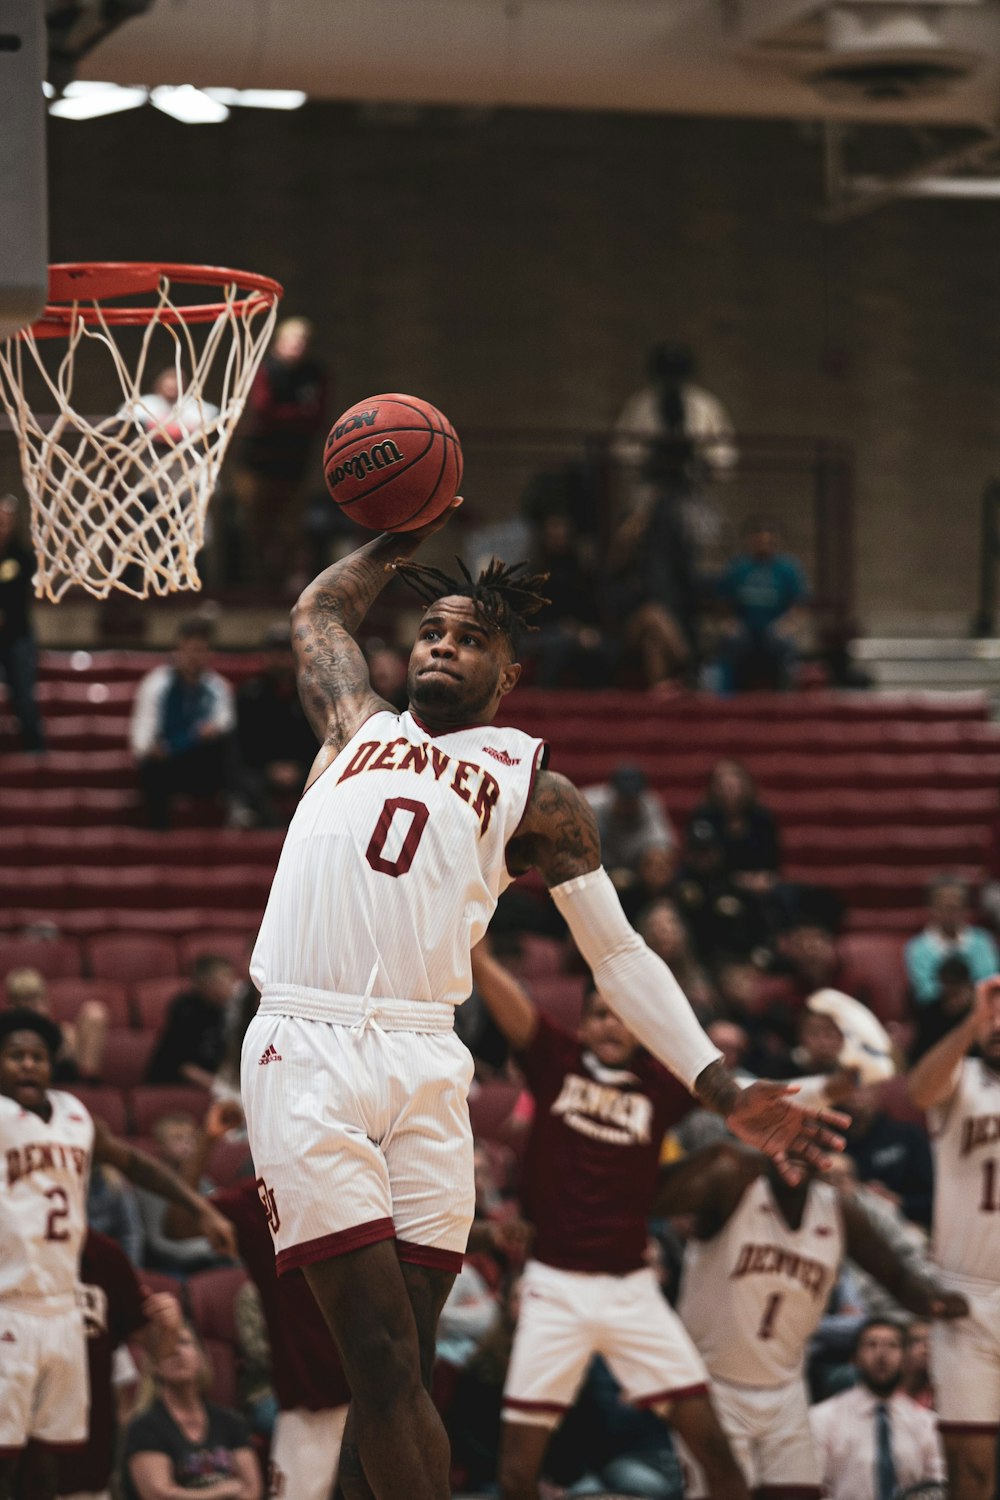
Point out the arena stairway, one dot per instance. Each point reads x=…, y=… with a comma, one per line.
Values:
x=874, y=793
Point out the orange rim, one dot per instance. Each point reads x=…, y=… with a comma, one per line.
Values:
x=74, y=285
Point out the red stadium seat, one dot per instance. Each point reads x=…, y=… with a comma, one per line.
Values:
x=105, y=1103
x=231, y=945
x=131, y=957
x=67, y=995
x=58, y=959
x=491, y=1108
x=126, y=1056
x=152, y=1000
x=229, y=1161
x=872, y=969
x=560, y=999
x=540, y=957
x=152, y=1100
x=212, y=1300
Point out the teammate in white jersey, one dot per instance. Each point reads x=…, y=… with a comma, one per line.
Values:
x=757, y=1277
x=962, y=1097
x=354, y=1082
x=47, y=1143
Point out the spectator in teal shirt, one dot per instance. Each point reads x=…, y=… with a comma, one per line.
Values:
x=948, y=932
x=764, y=590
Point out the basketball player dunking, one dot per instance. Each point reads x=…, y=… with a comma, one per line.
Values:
x=961, y=1095
x=353, y=1079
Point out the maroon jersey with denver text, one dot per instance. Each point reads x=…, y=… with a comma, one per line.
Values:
x=593, y=1153
x=305, y=1368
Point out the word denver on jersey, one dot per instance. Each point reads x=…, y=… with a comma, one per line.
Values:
x=401, y=755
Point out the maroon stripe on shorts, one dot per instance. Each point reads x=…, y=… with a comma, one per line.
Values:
x=986, y=1427
x=429, y=1255
x=684, y=1393
x=556, y=1407
x=788, y=1492
x=328, y=1245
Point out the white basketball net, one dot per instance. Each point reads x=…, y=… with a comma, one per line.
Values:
x=120, y=502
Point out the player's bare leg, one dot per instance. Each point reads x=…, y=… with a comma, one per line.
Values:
x=400, y=1438
x=42, y=1481
x=428, y=1291
x=522, y=1452
x=694, y=1420
x=971, y=1460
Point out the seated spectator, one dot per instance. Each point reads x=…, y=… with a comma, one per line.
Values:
x=765, y=592
x=746, y=828
x=651, y=588
x=18, y=649
x=112, y=1210
x=257, y=1398
x=654, y=877
x=177, y=1140
x=724, y=919
x=630, y=820
x=955, y=995
x=277, y=746
x=568, y=645
x=874, y=1442
x=768, y=1021
x=916, y=1381
x=893, y=1157
x=663, y=929
x=948, y=933
x=192, y=1044
x=82, y=1051
x=808, y=950
x=181, y=1442
x=182, y=732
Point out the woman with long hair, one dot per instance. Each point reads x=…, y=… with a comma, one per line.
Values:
x=180, y=1442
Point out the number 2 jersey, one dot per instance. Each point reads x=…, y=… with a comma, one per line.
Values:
x=965, y=1138
x=393, y=864
x=43, y=1219
x=752, y=1295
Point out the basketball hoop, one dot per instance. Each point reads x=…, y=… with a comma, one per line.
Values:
x=119, y=502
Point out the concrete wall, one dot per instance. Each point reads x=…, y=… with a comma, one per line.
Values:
x=514, y=267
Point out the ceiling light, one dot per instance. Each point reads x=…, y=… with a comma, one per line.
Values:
x=189, y=105
x=259, y=98
x=88, y=101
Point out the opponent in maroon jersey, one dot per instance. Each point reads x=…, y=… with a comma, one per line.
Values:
x=602, y=1108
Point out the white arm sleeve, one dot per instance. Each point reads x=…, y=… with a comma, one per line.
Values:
x=637, y=985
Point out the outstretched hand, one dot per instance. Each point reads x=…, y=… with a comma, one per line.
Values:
x=766, y=1116
x=420, y=533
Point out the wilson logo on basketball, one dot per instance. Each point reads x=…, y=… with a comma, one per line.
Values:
x=502, y=756
x=379, y=456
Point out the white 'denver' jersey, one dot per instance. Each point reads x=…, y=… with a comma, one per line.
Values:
x=43, y=1217
x=393, y=863
x=753, y=1294
x=965, y=1138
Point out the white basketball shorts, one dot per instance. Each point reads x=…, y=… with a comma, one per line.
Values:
x=305, y=1452
x=567, y=1317
x=360, y=1132
x=965, y=1362
x=44, y=1385
x=768, y=1431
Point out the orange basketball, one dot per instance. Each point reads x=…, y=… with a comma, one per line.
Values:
x=392, y=463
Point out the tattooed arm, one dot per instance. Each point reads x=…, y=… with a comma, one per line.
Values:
x=331, y=669
x=145, y=1171
x=558, y=836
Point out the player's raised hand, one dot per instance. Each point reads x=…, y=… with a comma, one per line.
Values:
x=765, y=1115
x=949, y=1305
x=223, y=1115
x=421, y=533
x=986, y=1006
x=162, y=1312
x=217, y=1230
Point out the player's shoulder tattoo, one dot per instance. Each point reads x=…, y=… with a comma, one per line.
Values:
x=560, y=830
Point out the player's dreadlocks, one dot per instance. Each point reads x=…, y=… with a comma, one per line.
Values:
x=503, y=597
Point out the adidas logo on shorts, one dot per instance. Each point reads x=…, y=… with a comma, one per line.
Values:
x=269, y=1054
x=7, y=1337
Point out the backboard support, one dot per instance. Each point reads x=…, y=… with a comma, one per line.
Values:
x=23, y=179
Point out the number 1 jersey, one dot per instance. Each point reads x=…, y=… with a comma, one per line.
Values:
x=965, y=1138
x=393, y=863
